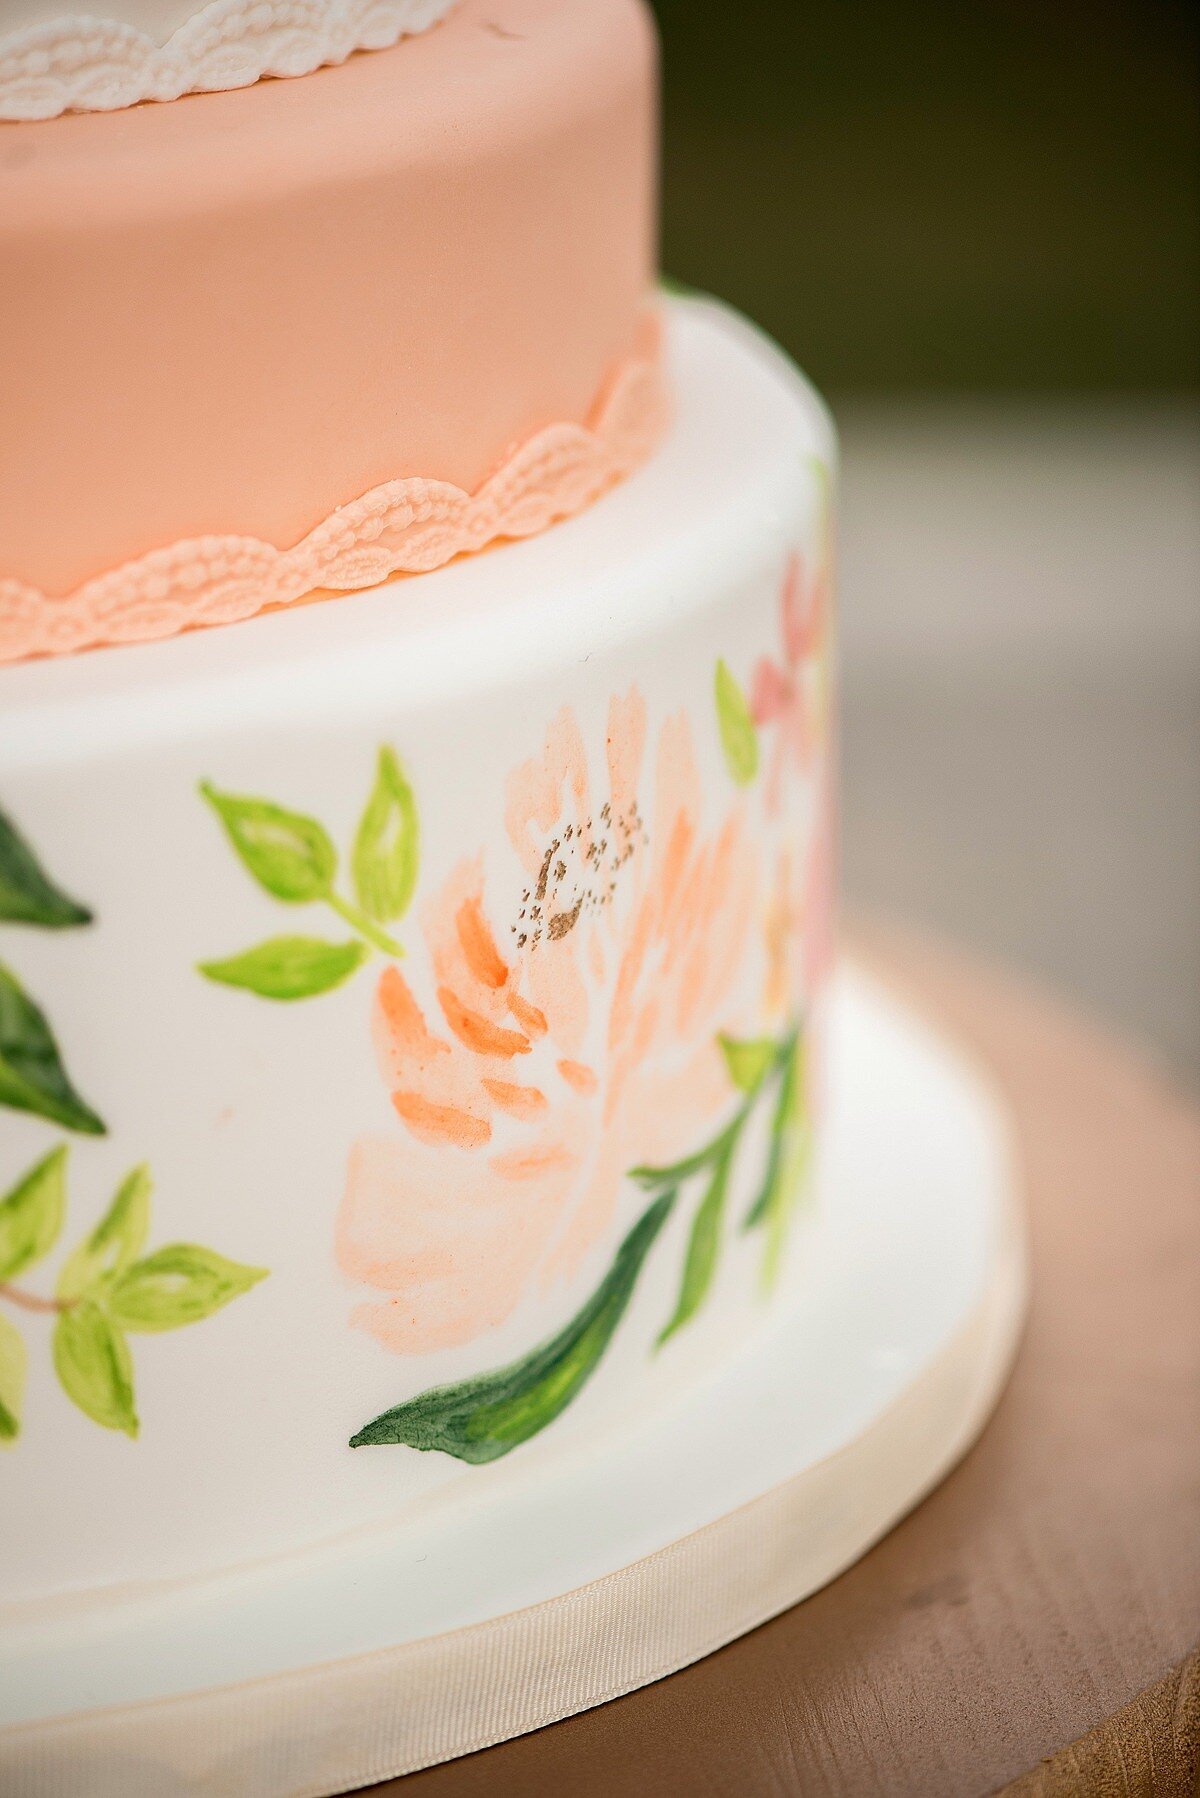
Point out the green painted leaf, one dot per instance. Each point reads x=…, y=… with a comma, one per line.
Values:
x=783, y=1122
x=31, y=1214
x=739, y=739
x=788, y=1165
x=482, y=1418
x=32, y=1076
x=12, y=1381
x=793, y=1172
x=704, y=1247
x=91, y=1359
x=387, y=846
x=114, y=1242
x=177, y=1285
x=749, y=1060
x=27, y=893
x=289, y=967
x=288, y=853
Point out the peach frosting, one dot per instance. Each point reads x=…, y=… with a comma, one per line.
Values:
x=400, y=527
x=226, y=317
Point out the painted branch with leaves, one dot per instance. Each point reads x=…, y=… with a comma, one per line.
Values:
x=293, y=858
x=107, y=1289
x=33, y=1077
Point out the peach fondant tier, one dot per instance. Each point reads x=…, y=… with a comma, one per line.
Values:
x=230, y=315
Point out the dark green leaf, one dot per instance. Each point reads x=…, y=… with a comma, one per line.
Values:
x=289, y=967
x=704, y=1247
x=31, y=1214
x=289, y=854
x=12, y=1381
x=114, y=1242
x=482, y=1418
x=27, y=893
x=91, y=1359
x=748, y=1061
x=739, y=739
x=387, y=846
x=32, y=1076
x=177, y=1285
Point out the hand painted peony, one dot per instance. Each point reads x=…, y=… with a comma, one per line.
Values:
x=576, y=1036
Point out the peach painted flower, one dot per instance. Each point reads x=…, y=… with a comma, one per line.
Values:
x=789, y=696
x=570, y=1035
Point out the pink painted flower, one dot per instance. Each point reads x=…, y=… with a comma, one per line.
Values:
x=789, y=696
x=574, y=1036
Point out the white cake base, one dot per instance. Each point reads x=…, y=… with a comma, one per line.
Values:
x=392, y=1650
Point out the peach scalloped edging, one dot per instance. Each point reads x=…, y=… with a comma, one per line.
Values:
x=401, y=527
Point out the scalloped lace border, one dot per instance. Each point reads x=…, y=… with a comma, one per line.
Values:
x=401, y=527
x=84, y=64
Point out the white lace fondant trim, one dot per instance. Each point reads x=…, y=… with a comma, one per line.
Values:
x=86, y=64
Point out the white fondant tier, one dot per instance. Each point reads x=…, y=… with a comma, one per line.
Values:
x=450, y=955
x=116, y=53
x=519, y=1604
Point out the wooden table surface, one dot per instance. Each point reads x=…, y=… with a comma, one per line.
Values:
x=1033, y=1624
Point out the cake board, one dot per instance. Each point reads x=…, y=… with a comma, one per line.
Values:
x=510, y=1608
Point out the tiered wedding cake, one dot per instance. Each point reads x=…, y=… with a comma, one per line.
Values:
x=411, y=994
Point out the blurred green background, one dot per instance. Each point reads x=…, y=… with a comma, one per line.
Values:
x=997, y=195
x=976, y=226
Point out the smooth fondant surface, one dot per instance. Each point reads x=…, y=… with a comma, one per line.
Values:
x=236, y=312
x=402, y=527
x=761, y=1485
x=612, y=741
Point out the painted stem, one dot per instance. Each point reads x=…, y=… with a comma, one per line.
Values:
x=358, y=920
x=725, y=1140
x=32, y=1301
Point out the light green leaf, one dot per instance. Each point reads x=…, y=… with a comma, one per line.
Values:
x=12, y=1381
x=704, y=1247
x=793, y=1172
x=739, y=739
x=288, y=853
x=32, y=1076
x=786, y=1115
x=27, y=893
x=91, y=1359
x=31, y=1214
x=788, y=1163
x=114, y=1242
x=749, y=1060
x=289, y=967
x=387, y=845
x=177, y=1285
x=482, y=1418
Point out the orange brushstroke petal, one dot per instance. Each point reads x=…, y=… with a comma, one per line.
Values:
x=519, y=1101
x=441, y=1123
x=403, y=1016
x=479, y=1033
x=527, y=1164
x=479, y=945
x=578, y=1075
x=528, y=1016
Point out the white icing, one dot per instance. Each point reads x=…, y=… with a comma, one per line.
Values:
x=142, y=50
x=246, y=1110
